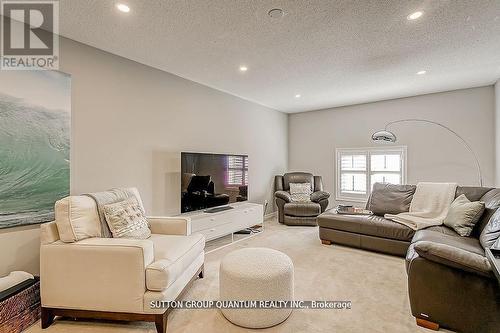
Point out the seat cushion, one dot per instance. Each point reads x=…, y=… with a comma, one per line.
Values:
x=450, y=238
x=173, y=255
x=371, y=225
x=302, y=209
x=442, y=229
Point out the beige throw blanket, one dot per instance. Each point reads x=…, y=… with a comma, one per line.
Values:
x=109, y=197
x=428, y=207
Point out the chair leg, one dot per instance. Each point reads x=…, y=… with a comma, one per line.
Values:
x=326, y=242
x=202, y=272
x=427, y=324
x=46, y=318
x=161, y=322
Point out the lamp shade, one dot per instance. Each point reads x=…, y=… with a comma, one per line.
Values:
x=384, y=136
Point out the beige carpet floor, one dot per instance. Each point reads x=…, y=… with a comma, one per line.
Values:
x=375, y=283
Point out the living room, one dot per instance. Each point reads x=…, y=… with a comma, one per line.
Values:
x=370, y=103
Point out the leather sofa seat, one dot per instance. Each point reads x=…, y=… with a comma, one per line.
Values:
x=449, y=237
x=302, y=209
x=173, y=255
x=371, y=225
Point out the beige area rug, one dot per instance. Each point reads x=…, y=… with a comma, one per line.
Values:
x=375, y=283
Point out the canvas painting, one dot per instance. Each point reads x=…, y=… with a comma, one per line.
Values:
x=35, y=121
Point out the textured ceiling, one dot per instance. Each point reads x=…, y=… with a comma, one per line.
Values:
x=332, y=53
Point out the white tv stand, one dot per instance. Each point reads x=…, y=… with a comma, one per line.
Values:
x=215, y=225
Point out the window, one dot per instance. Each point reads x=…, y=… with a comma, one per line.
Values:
x=237, y=170
x=358, y=169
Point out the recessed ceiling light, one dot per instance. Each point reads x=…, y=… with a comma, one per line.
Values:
x=421, y=72
x=243, y=68
x=298, y=95
x=123, y=8
x=414, y=16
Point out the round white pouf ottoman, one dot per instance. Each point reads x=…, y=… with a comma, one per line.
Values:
x=256, y=274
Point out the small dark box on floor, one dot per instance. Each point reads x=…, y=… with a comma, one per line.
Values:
x=20, y=306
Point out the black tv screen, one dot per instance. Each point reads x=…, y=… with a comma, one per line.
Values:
x=211, y=180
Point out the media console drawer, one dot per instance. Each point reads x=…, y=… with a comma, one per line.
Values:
x=224, y=223
x=209, y=222
x=216, y=231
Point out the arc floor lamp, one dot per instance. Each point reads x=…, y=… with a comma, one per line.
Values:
x=388, y=136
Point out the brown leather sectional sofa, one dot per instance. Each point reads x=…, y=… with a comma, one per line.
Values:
x=450, y=281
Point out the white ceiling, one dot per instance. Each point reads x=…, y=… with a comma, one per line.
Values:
x=333, y=53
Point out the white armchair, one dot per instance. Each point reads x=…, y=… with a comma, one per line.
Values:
x=114, y=278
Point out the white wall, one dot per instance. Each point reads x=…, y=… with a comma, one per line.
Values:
x=497, y=133
x=433, y=154
x=129, y=123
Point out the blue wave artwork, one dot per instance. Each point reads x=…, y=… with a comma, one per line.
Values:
x=35, y=122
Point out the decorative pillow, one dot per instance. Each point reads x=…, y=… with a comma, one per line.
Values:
x=463, y=215
x=300, y=191
x=126, y=219
x=77, y=218
x=390, y=198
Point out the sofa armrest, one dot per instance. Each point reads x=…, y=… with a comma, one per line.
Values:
x=454, y=257
x=170, y=225
x=49, y=233
x=319, y=195
x=284, y=195
x=101, y=274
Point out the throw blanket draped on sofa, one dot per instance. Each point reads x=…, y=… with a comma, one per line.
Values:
x=428, y=207
x=109, y=197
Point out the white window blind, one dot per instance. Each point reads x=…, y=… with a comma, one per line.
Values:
x=358, y=169
x=237, y=170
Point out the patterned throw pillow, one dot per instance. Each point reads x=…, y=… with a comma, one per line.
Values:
x=300, y=192
x=126, y=219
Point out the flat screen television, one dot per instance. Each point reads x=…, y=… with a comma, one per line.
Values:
x=211, y=180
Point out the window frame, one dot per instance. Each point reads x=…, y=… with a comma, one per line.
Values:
x=243, y=169
x=368, y=151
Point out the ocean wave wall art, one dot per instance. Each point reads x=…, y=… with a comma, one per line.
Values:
x=35, y=121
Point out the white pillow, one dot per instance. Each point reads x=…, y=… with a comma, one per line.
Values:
x=77, y=218
x=126, y=219
x=300, y=192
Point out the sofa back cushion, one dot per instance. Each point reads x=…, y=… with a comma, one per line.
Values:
x=390, y=199
x=77, y=218
x=491, y=201
x=473, y=193
x=491, y=232
x=297, y=177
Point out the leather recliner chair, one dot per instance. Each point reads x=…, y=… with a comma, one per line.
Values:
x=299, y=213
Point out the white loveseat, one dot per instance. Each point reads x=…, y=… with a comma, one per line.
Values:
x=84, y=275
